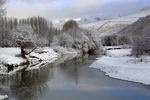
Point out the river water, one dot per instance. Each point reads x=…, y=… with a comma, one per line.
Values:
x=70, y=80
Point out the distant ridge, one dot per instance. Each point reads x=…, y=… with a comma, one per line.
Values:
x=146, y=8
x=113, y=26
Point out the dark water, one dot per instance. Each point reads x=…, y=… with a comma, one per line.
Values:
x=70, y=80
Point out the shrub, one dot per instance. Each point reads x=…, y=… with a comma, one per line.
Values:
x=113, y=40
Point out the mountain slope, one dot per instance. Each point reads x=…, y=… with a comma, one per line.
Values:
x=112, y=26
x=80, y=21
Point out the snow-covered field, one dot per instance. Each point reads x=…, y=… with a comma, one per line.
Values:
x=121, y=65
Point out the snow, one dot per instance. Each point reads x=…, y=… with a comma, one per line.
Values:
x=50, y=55
x=11, y=59
x=116, y=47
x=37, y=58
x=2, y=97
x=8, y=57
x=9, y=51
x=47, y=55
x=113, y=26
x=65, y=51
x=118, y=53
x=119, y=64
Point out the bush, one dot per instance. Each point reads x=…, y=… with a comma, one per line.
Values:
x=113, y=40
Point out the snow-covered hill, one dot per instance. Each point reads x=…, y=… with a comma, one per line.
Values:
x=89, y=19
x=80, y=21
x=112, y=26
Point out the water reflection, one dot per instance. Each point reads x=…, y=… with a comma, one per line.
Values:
x=70, y=80
x=27, y=85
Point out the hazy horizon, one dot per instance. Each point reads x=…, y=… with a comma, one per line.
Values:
x=63, y=9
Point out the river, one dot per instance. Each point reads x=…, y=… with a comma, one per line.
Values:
x=70, y=80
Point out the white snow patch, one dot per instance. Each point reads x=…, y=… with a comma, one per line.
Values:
x=66, y=51
x=2, y=97
x=47, y=55
x=118, y=64
x=118, y=53
x=37, y=59
x=9, y=51
x=8, y=57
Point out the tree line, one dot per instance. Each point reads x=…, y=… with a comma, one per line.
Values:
x=41, y=27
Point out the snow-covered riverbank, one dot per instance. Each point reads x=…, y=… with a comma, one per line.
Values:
x=37, y=59
x=121, y=65
x=42, y=56
x=9, y=57
x=3, y=97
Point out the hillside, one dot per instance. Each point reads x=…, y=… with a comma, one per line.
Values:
x=112, y=26
x=82, y=20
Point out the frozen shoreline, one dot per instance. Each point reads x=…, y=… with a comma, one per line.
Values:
x=119, y=64
x=37, y=59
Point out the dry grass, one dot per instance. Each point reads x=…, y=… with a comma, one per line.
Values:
x=41, y=52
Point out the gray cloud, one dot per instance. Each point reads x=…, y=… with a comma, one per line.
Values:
x=78, y=8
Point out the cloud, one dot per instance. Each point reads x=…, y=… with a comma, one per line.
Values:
x=57, y=9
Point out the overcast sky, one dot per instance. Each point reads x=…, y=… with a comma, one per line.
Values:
x=59, y=9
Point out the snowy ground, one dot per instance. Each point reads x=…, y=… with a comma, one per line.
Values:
x=119, y=64
x=3, y=97
x=44, y=55
x=37, y=59
x=8, y=56
x=65, y=51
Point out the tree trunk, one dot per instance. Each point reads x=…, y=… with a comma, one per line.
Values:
x=23, y=52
